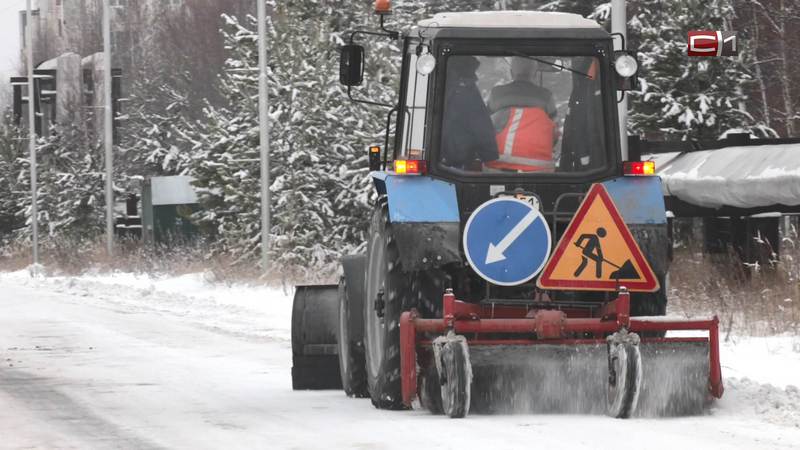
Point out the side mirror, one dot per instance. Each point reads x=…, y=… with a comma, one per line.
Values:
x=626, y=65
x=351, y=65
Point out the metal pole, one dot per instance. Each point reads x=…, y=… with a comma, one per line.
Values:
x=32, y=133
x=108, y=139
x=619, y=25
x=263, y=120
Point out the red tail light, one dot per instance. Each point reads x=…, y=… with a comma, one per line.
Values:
x=409, y=167
x=639, y=168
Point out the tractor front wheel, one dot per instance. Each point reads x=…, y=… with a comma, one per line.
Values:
x=455, y=374
x=624, y=374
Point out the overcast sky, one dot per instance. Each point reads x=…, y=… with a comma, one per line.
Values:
x=9, y=36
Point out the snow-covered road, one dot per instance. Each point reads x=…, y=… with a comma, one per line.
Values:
x=126, y=362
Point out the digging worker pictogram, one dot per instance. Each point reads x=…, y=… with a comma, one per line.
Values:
x=592, y=250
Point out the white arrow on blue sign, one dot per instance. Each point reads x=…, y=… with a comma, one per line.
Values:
x=507, y=241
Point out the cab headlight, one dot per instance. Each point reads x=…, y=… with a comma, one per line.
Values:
x=626, y=65
x=425, y=64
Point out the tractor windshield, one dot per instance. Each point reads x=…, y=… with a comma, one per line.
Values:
x=523, y=113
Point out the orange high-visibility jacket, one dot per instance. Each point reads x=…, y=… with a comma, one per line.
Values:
x=523, y=114
x=526, y=141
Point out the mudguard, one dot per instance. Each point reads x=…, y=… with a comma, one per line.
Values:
x=417, y=198
x=640, y=200
x=641, y=203
x=425, y=219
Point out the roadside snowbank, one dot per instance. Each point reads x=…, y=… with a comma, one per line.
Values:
x=257, y=311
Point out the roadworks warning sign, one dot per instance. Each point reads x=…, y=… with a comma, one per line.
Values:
x=598, y=252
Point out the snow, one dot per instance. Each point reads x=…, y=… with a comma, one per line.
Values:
x=172, y=190
x=773, y=360
x=237, y=308
x=668, y=318
x=742, y=177
x=509, y=19
x=128, y=360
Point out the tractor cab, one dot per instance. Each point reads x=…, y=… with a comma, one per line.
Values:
x=504, y=101
x=510, y=96
x=548, y=84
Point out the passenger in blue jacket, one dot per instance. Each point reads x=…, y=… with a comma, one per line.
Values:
x=468, y=134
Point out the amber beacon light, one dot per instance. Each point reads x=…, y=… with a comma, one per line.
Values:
x=383, y=7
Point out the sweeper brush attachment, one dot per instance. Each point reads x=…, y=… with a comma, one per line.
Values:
x=524, y=359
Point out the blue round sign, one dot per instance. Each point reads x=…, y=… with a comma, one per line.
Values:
x=507, y=241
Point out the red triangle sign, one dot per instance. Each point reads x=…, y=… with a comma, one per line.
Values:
x=597, y=252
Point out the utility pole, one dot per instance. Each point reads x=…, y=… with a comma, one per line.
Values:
x=32, y=133
x=108, y=139
x=619, y=24
x=263, y=121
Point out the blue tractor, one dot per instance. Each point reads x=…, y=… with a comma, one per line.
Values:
x=429, y=301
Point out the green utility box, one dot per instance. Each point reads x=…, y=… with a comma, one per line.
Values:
x=167, y=206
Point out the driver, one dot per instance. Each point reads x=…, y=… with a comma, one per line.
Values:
x=468, y=136
x=524, y=118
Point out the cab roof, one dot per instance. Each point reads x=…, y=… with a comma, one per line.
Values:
x=510, y=19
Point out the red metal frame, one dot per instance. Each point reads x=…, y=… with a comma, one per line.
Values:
x=543, y=326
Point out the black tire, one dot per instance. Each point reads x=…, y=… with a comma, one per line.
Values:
x=315, y=373
x=431, y=390
x=650, y=304
x=352, y=365
x=457, y=379
x=428, y=289
x=315, y=363
x=625, y=365
x=387, y=292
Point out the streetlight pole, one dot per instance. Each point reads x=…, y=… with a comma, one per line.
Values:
x=108, y=139
x=263, y=120
x=32, y=133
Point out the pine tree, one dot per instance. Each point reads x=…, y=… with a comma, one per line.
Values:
x=318, y=172
x=225, y=150
x=12, y=150
x=682, y=97
x=152, y=141
x=70, y=197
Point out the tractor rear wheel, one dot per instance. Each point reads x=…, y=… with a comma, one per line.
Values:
x=387, y=292
x=651, y=304
x=351, y=345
